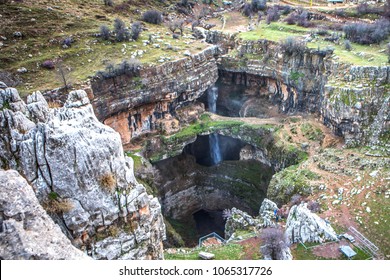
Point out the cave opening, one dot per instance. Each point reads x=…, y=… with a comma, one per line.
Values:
x=235, y=96
x=208, y=221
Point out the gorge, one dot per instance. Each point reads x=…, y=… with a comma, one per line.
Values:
x=234, y=136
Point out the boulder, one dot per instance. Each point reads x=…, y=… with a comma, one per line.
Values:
x=27, y=231
x=67, y=154
x=267, y=212
x=304, y=226
x=239, y=220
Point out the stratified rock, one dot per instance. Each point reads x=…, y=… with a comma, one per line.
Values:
x=304, y=226
x=68, y=154
x=26, y=231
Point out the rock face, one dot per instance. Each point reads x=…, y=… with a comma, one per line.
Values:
x=352, y=100
x=138, y=105
x=68, y=155
x=304, y=226
x=27, y=231
x=239, y=220
x=267, y=212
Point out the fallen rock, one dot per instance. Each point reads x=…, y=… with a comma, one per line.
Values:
x=206, y=256
x=304, y=226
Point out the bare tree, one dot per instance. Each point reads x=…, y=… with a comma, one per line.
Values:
x=274, y=243
x=63, y=74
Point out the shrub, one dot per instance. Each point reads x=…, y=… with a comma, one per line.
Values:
x=293, y=46
x=68, y=41
x=296, y=199
x=274, y=243
x=54, y=204
x=127, y=67
x=48, y=64
x=121, y=32
x=105, y=32
x=314, y=206
x=272, y=14
x=302, y=19
x=152, y=16
x=108, y=3
x=347, y=45
x=108, y=182
x=247, y=10
x=292, y=18
x=136, y=29
x=259, y=5
x=366, y=34
x=334, y=38
x=340, y=12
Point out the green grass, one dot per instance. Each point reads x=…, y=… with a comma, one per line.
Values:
x=137, y=159
x=275, y=31
x=311, y=132
x=225, y=252
x=377, y=223
x=373, y=55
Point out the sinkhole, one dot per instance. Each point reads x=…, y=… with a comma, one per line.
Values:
x=196, y=186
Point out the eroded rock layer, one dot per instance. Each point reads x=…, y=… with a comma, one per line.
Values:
x=81, y=176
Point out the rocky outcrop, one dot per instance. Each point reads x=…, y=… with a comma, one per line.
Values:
x=267, y=212
x=148, y=102
x=352, y=100
x=26, y=230
x=356, y=105
x=69, y=156
x=304, y=226
x=239, y=221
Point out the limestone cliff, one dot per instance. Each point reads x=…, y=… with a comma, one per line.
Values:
x=81, y=176
x=148, y=102
x=26, y=231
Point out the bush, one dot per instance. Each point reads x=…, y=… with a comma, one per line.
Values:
x=334, y=38
x=302, y=19
x=108, y=3
x=366, y=34
x=314, y=206
x=152, y=16
x=259, y=5
x=136, y=29
x=296, y=199
x=347, y=45
x=68, y=41
x=121, y=32
x=108, y=182
x=105, y=32
x=274, y=243
x=293, y=46
x=272, y=14
x=48, y=64
x=127, y=67
x=247, y=10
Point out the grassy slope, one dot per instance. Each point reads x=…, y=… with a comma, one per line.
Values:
x=47, y=28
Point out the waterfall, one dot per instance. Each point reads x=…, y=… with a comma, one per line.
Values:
x=215, y=150
x=212, y=95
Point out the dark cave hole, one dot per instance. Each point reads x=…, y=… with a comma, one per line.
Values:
x=208, y=222
x=211, y=149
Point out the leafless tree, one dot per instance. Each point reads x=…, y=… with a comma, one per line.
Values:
x=274, y=243
x=63, y=74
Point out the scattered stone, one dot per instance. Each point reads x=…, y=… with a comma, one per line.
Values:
x=335, y=202
x=187, y=53
x=368, y=209
x=374, y=173
x=206, y=256
x=18, y=34
x=22, y=70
